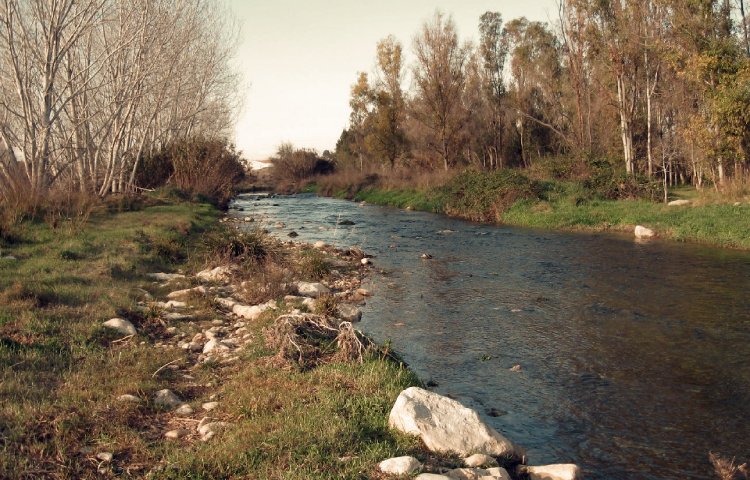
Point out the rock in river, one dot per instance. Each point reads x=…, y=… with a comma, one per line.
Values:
x=562, y=471
x=643, y=232
x=444, y=425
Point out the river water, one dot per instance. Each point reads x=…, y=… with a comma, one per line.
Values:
x=635, y=357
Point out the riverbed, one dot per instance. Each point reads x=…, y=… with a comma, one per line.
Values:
x=632, y=359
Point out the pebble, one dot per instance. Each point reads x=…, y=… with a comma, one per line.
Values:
x=208, y=406
x=120, y=325
x=128, y=398
x=184, y=410
x=105, y=456
x=167, y=398
x=175, y=434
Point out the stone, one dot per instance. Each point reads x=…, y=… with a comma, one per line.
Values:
x=364, y=292
x=208, y=406
x=293, y=234
x=128, y=398
x=122, y=326
x=174, y=316
x=566, y=471
x=176, y=434
x=311, y=289
x=184, y=410
x=214, y=345
x=400, y=466
x=678, y=203
x=212, y=427
x=515, y=368
x=218, y=274
x=252, y=312
x=480, y=460
x=366, y=261
x=165, y=277
x=445, y=425
x=167, y=398
x=496, y=473
x=319, y=244
x=175, y=304
x=349, y=313
x=643, y=232
x=227, y=303
x=346, y=222
x=10, y=258
x=431, y=476
x=105, y=456
x=184, y=293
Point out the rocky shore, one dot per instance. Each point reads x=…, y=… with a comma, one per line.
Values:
x=208, y=315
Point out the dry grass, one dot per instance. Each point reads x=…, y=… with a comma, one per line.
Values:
x=726, y=469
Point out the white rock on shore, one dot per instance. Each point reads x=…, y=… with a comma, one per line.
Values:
x=167, y=398
x=252, y=312
x=643, y=232
x=444, y=425
x=218, y=274
x=496, y=473
x=311, y=289
x=165, y=277
x=480, y=460
x=122, y=326
x=184, y=293
x=561, y=471
x=349, y=313
x=678, y=203
x=400, y=466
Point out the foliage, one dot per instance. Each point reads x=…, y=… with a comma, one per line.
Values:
x=292, y=166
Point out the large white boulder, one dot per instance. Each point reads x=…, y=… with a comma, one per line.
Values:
x=122, y=326
x=311, y=289
x=444, y=425
x=562, y=471
x=400, y=466
x=643, y=232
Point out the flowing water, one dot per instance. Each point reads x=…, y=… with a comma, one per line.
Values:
x=635, y=358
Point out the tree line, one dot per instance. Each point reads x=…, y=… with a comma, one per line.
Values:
x=89, y=88
x=660, y=86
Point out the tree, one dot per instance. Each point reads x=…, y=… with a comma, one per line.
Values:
x=386, y=137
x=493, y=49
x=439, y=77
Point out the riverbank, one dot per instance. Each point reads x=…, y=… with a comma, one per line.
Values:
x=184, y=384
x=513, y=199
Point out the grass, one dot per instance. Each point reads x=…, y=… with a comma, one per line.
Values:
x=60, y=371
x=510, y=198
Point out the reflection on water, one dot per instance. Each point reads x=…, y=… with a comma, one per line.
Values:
x=635, y=359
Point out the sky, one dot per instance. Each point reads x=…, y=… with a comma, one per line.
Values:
x=299, y=59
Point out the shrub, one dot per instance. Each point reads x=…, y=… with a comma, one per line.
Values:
x=292, y=166
x=203, y=169
x=486, y=196
x=608, y=182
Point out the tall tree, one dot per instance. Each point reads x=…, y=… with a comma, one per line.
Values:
x=439, y=77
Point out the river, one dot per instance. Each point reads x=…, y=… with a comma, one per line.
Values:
x=634, y=357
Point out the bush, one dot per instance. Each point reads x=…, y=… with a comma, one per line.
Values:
x=483, y=196
x=608, y=182
x=201, y=168
x=293, y=166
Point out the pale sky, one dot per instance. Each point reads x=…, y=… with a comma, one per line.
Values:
x=299, y=59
